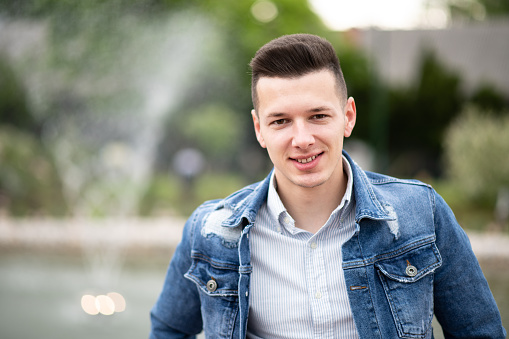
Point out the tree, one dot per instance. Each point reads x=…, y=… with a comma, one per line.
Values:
x=14, y=109
x=476, y=148
x=477, y=9
x=419, y=116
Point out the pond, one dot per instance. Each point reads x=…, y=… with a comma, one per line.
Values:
x=41, y=296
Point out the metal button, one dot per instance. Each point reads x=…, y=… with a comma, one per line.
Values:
x=411, y=270
x=211, y=285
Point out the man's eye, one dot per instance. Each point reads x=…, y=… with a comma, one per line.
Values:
x=280, y=122
x=319, y=116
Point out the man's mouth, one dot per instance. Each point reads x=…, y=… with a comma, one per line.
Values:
x=306, y=160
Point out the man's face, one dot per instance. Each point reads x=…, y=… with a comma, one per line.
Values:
x=302, y=122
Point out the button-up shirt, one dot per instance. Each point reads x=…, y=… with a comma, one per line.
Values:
x=297, y=286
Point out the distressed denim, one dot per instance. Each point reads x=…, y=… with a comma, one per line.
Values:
x=408, y=259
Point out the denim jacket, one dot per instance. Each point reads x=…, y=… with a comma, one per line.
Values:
x=408, y=259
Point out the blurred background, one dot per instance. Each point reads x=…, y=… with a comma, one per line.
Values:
x=119, y=117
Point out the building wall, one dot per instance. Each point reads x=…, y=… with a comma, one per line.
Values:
x=479, y=52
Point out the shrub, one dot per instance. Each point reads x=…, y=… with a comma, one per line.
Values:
x=29, y=182
x=477, y=154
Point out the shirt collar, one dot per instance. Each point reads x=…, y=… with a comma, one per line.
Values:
x=278, y=211
x=274, y=204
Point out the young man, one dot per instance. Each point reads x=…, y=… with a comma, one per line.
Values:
x=320, y=248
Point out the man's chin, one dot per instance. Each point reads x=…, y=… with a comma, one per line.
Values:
x=309, y=180
x=309, y=183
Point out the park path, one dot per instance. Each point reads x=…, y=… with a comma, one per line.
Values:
x=150, y=233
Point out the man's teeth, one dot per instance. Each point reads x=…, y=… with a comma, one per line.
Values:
x=305, y=161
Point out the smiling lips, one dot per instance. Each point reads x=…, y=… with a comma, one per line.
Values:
x=306, y=160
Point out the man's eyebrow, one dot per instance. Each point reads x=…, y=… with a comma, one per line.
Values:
x=276, y=115
x=311, y=110
x=319, y=109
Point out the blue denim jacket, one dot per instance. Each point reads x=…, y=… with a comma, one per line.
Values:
x=408, y=259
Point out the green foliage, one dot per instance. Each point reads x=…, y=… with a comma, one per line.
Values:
x=213, y=127
x=217, y=186
x=70, y=8
x=496, y=8
x=99, y=52
x=14, y=109
x=248, y=34
x=472, y=215
x=169, y=194
x=476, y=149
x=419, y=116
x=488, y=98
x=477, y=9
x=162, y=196
x=359, y=79
x=29, y=182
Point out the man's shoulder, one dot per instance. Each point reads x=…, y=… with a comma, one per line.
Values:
x=243, y=202
x=380, y=180
x=224, y=219
x=233, y=201
x=388, y=190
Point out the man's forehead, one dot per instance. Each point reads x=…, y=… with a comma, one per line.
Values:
x=316, y=84
x=294, y=77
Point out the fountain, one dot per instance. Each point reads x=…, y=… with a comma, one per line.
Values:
x=105, y=102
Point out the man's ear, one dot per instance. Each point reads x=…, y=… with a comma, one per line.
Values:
x=256, y=123
x=350, y=116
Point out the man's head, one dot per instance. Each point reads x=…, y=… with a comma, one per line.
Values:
x=292, y=56
x=301, y=113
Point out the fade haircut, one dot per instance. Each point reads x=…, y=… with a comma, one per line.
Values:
x=292, y=56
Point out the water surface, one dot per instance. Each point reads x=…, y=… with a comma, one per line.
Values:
x=40, y=295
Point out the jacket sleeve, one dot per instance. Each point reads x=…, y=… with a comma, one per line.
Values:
x=176, y=313
x=464, y=304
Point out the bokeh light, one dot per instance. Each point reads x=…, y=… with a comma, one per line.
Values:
x=105, y=305
x=118, y=300
x=88, y=304
x=108, y=304
x=264, y=11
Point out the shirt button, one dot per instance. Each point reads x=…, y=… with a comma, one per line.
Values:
x=411, y=271
x=211, y=285
x=313, y=245
x=318, y=295
x=286, y=220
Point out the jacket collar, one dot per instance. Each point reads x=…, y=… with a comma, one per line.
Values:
x=367, y=203
x=245, y=203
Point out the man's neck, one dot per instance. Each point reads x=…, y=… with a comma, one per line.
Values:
x=312, y=207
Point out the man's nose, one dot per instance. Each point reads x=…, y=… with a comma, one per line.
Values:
x=302, y=135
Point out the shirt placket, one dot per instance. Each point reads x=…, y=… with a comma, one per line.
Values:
x=317, y=289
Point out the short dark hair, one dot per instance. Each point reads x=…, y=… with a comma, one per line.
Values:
x=295, y=55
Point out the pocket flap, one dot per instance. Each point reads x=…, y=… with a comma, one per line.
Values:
x=412, y=265
x=214, y=277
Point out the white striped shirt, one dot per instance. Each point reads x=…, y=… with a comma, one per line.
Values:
x=297, y=284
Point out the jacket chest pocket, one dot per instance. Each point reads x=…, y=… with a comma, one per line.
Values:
x=407, y=280
x=218, y=285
